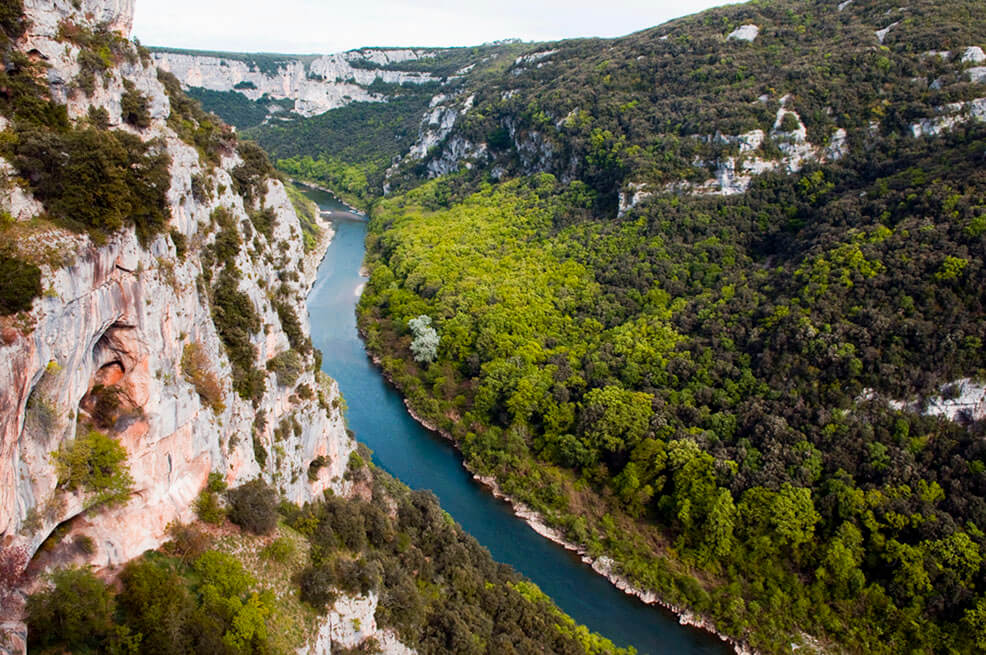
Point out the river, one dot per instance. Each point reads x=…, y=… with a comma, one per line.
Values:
x=423, y=460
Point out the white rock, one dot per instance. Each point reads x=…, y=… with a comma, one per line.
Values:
x=973, y=55
x=534, y=57
x=977, y=74
x=838, y=146
x=882, y=34
x=328, y=82
x=844, y=4
x=949, y=116
x=744, y=33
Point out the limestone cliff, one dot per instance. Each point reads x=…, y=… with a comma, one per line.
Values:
x=314, y=84
x=121, y=314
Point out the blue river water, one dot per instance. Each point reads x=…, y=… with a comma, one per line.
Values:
x=423, y=460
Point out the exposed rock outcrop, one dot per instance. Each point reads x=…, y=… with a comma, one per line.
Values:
x=120, y=316
x=315, y=85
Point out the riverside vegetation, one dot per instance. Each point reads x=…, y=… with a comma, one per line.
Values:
x=699, y=386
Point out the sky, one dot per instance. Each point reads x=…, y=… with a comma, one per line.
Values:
x=324, y=26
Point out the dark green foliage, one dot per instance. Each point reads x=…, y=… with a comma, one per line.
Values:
x=25, y=97
x=263, y=221
x=180, y=241
x=253, y=507
x=236, y=319
x=287, y=366
x=99, y=117
x=232, y=106
x=134, y=108
x=292, y=328
x=96, y=179
x=438, y=588
x=156, y=602
x=203, y=604
x=11, y=20
x=210, y=135
x=250, y=177
x=20, y=284
x=259, y=451
x=75, y=614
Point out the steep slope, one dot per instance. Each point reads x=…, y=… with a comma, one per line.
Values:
x=132, y=344
x=122, y=309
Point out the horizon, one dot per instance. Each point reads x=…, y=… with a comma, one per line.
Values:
x=298, y=27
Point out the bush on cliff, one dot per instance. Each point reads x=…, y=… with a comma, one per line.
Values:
x=94, y=463
x=20, y=284
x=253, y=507
x=99, y=180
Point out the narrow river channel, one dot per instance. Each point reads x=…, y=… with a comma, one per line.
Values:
x=423, y=460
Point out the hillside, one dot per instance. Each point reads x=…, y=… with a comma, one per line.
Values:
x=710, y=299
x=176, y=474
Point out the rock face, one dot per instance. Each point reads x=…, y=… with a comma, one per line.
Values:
x=121, y=315
x=315, y=85
x=351, y=622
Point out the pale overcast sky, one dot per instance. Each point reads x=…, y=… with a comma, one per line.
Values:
x=320, y=26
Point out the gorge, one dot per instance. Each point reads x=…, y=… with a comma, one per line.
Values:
x=705, y=303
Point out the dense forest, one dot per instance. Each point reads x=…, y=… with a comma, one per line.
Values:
x=723, y=393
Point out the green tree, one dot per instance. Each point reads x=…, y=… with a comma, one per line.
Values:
x=614, y=420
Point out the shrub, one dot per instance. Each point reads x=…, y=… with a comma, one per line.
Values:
x=84, y=543
x=11, y=19
x=20, y=284
x=259, y=452
x=106, y=409
x=263, y=221
x=94, y=463
x=253, y=507
x=195, y=367
x=75, y=613
x=99, y=118
x=224, y=572
x=97, y=179
x=208, y=509
x=318, y=586
x=216, y=483
x=280, y=550
x=235, y=318
x=292, y=328
x=193, y=125
x=180, y=241
x=135, y=107
x=287, y=366
x=155, y=602
x=187, y=541
x=250, y=177
x=316, y=465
